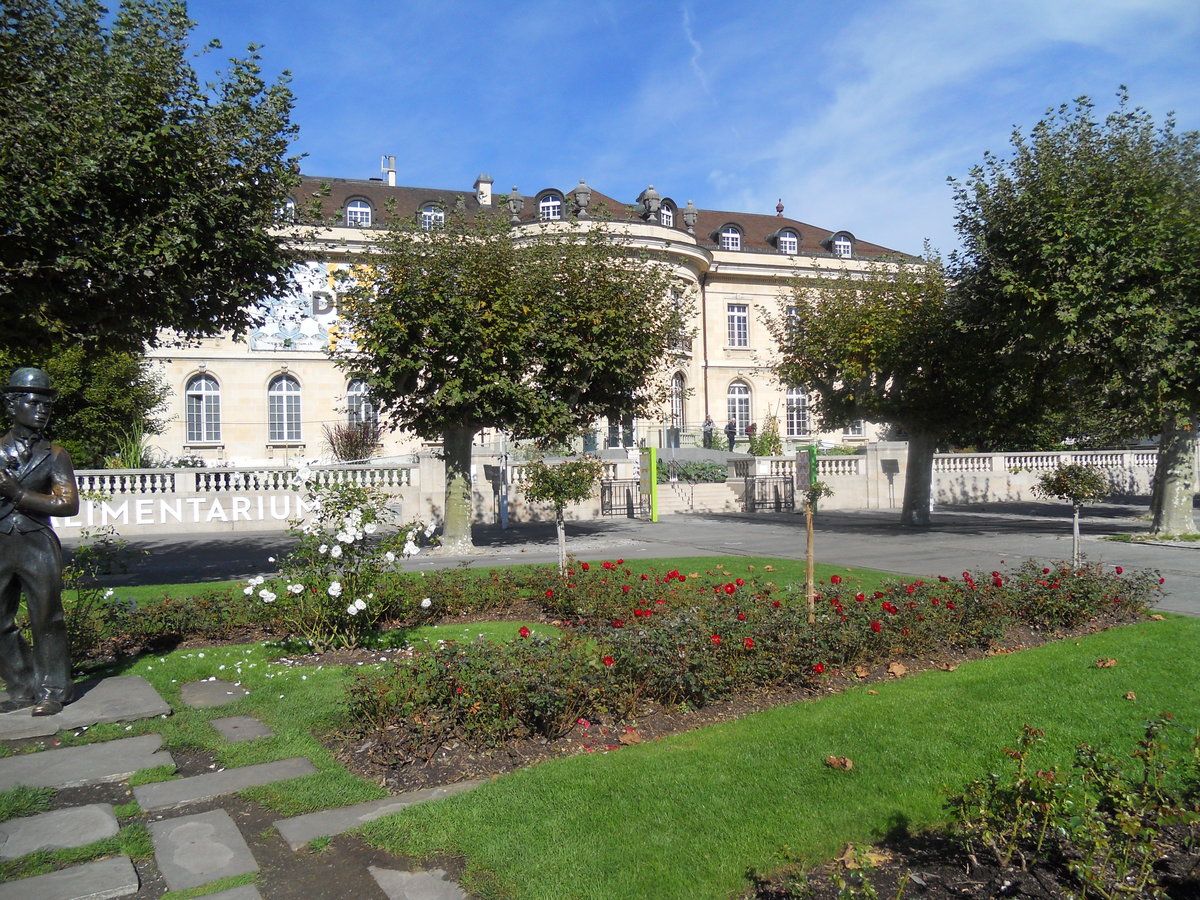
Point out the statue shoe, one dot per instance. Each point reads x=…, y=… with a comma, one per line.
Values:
x=46, y=708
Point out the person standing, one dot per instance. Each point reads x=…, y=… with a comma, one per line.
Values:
x=37, y=481
x=731, y=432
x=707, y=429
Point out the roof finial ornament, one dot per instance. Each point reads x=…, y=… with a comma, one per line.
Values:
x=779, y=207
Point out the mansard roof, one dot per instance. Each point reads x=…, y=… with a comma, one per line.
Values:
x=758, y=231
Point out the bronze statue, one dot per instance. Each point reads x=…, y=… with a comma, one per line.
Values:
x=37, y=481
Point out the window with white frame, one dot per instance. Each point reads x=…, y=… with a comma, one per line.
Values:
x=799, y=422
x=666, y=215
x=856, y=429
x=739, y=405
x=287, y=211
x=358, y=214
x=202, y=400
x=843, y=247
x=731, y=238
x=283, y=410
x=433, y=218
x=550, y=208
x=359, y=408
x=677, y=392
x=788, y=242
x=738, y=320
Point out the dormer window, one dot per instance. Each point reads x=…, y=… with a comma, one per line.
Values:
x=432, y=218
x=358, y=214
x=843, y=246
x=287, y=211
x=666, y=215
x=788, y=242
x=550, y=208
x=731, y=238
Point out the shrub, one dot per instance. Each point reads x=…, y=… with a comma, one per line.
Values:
x=693, y=472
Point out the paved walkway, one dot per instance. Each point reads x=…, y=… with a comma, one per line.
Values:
x=192, y=847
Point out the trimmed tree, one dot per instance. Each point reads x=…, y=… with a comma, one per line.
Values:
x=1078, y=484
x=535, y=331
x=1081, y=267
x=133, y=198
x=571, y=481
x=884, y=347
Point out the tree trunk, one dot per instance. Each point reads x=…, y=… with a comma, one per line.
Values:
x=1174, y=478
x=1075, y=509
x=918, y=479
x=811, y=592
x=560, y=525
x=456, y=532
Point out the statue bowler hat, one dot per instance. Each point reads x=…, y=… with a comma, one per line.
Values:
x=28, y=380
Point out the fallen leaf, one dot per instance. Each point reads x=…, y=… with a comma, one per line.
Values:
x=769, y=568
x=854, y=859
x=1131, y=696
x=947, y=667
x=631, y=737
x=843, y=763
x=1106, y=663
x=849, y=859
x=862, y=671
x=693, y=574
x=896, y=669
x=723, y=572
x=751, y=568
x=873, y=692
x=1157, y=618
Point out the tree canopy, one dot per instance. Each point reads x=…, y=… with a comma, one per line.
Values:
x=132, y=197
x=1081, y=269
x=479, y=325
x=881, y=345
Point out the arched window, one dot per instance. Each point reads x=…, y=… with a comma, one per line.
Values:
x=283, y=410
x=799, y=424
x=843, y=246
x=788, y=242
x=739, y=405
x=358, y=214
x=731, y=238
x=677, y=393
x=202, y=399
x=359, y=408
x=550, y=207
x=666, y=215
x=432, y=218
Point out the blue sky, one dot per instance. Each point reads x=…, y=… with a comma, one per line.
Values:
x=853, y=113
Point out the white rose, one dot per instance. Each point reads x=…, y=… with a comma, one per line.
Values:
x=267, y=596
x=426, y=603
x=323, y=549
x=248, y=590
x=389, y=557
x=352, y=609
x=335, y=589
x=336, y=552
x=295, y=588
x=370, y=528
x=360, y=604
x=411, y=549
x=345, y=537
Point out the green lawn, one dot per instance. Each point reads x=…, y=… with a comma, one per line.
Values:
x=687, y=816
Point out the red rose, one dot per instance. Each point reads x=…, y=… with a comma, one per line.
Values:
x=1045, y=571
x=860, y=597
x=876, y=626
x=608, y=660
x=730, y=588
x=835, y=579
x=549, y=593
x=523, y=631
x=741, y=617
x=618, y=623
x=645, y=577
x=625, y=589
x=949, y=604
x=620, y=562
x=739, y=582
x=1120, y=570
x=584, y=566
x=716, y=639
x=776, y=604
x=748, y=643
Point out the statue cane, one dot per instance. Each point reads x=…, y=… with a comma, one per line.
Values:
x=37, y=481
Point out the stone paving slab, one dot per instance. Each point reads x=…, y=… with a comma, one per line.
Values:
x=246, y=892
x=99, y=880
x=236, y=729
x=165, y=794
x=210, y=692
x=194, y=850
x=55, y=830
x=90, y=764
x=432, y=885
x=123, y=698
x=299, y=830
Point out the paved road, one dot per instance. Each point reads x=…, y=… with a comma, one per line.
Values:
x=961, y=538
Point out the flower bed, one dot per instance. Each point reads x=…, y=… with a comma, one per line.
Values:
x=674, y=639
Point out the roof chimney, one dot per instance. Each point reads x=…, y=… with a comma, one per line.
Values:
x=388, y=167
x=483, y=189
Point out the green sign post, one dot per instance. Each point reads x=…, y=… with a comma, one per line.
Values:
x=648, y=465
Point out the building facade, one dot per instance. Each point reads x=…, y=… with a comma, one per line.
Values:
x=272, y=395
